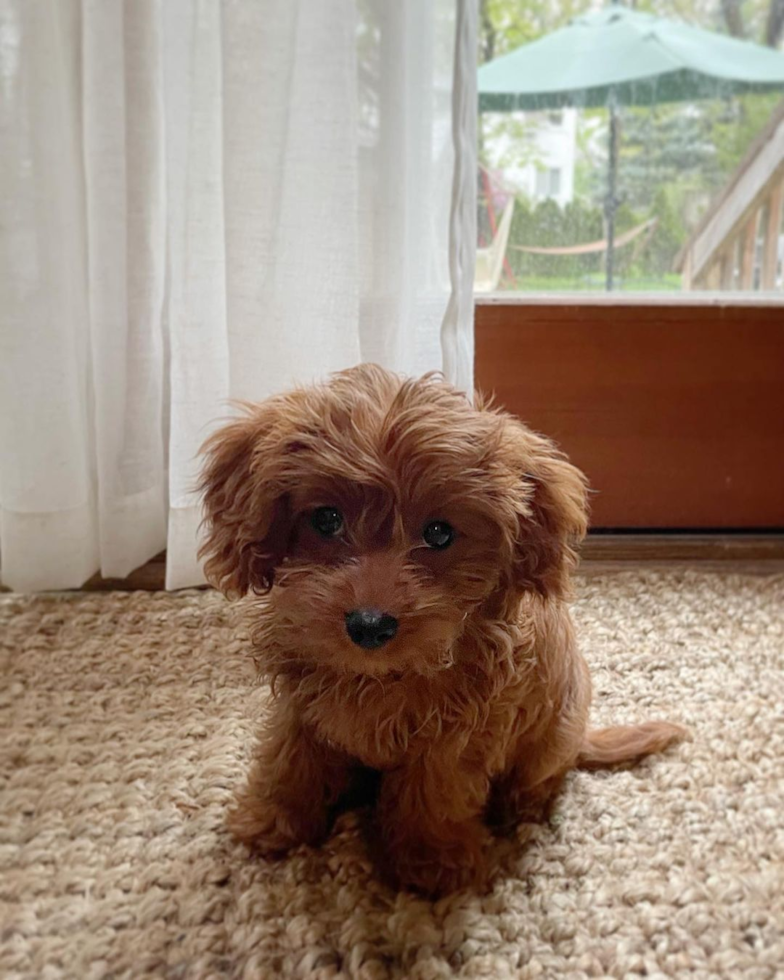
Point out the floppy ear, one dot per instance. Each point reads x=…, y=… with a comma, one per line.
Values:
x=245, y=511
x=553, y=513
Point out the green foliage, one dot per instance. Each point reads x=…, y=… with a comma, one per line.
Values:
x=735, y=124
x=506, y=24
x=695, y=147
x=669, y=235
x=663, y=146
x=546, y=224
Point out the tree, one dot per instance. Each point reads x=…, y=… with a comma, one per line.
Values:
x=774, y=28
x=765, y=29
x=733, y=17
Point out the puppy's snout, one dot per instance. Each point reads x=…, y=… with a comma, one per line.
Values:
x=370, y=628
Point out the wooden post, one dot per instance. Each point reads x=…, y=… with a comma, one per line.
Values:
x=770, y=255
x=712, y=279
x=747, y=260
x=611, y=203
x=727, y=267
x=687, y=282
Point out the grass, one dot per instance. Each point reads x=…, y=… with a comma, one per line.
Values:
x=671, y=282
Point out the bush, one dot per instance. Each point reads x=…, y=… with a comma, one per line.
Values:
x=546, y=224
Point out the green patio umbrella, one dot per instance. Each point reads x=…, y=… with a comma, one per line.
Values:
x=619, y=56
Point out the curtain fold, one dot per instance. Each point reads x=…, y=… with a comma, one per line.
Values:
x=205, y=201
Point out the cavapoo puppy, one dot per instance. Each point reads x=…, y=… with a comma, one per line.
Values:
x=407, y=559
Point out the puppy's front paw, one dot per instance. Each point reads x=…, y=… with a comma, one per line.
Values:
x=272, y=829
x=440, y=869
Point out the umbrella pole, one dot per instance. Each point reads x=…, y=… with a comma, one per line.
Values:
x=611, y=203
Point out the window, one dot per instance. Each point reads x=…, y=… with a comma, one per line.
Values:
x=548, y=182
x=668, y=184
x=601, y=331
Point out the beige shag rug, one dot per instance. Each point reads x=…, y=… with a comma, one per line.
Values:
x=126, y=722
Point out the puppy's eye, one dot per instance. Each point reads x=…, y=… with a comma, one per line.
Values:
x=438, y=535
x=327, y=521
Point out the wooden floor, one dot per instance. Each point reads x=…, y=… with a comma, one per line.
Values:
x=601, y=551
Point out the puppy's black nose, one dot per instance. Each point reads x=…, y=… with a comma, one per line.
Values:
x=370, y=628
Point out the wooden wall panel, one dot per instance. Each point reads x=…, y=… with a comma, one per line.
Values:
x=675, y=412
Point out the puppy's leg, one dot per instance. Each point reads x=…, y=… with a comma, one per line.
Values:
x=293, y=782
x=541, y=756
x=514, y=800
x=432, y=835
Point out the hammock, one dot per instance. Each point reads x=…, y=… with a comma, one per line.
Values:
x=590, y=247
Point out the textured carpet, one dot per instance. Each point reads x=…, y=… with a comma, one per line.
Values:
x=125, y=724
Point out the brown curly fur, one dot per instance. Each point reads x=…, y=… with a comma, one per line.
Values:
x=479, y=705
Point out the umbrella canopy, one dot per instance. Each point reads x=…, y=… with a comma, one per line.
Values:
x=639, y=58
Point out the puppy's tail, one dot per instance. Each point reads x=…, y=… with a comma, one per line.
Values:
x=605, y=747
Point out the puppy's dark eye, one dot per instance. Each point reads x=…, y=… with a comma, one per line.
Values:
x=438, y=534
x=327, y=521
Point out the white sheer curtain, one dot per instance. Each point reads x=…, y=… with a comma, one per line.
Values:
x=202, y=201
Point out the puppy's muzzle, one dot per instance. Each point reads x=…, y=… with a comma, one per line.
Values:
x=369, y=628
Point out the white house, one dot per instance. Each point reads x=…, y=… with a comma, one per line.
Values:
x=546, y=153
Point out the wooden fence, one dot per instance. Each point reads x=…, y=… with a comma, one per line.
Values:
x=740, y=243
